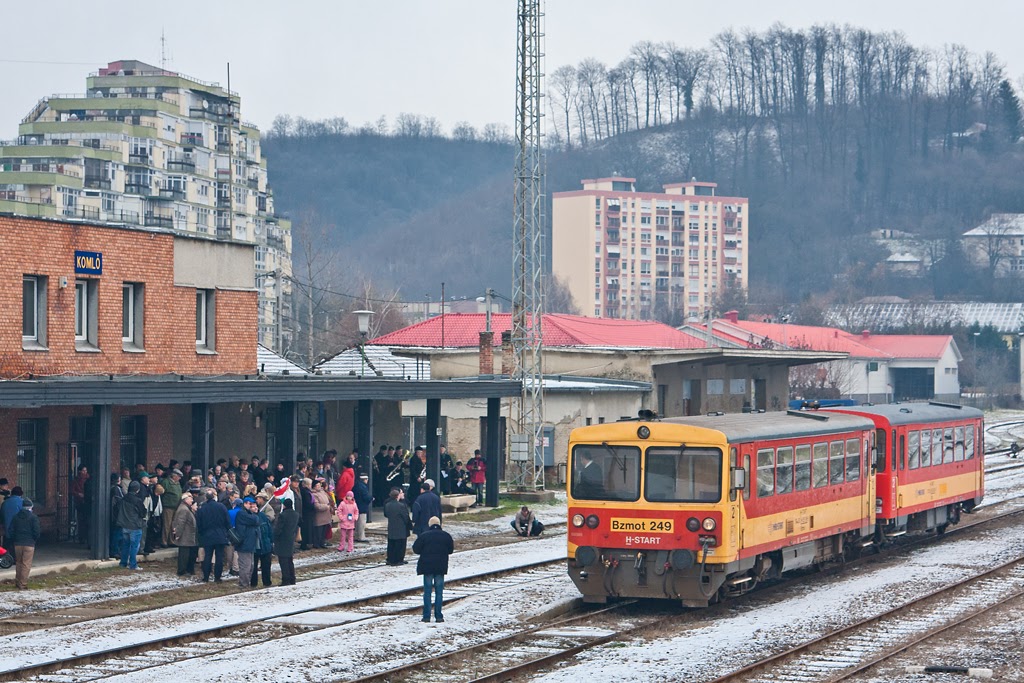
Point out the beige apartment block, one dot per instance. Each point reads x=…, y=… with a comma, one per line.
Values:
x=648, y=255
x=148, y=147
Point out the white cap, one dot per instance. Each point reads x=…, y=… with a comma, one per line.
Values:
x=429, y=482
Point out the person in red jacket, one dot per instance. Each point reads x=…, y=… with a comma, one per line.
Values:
x=477, y=475
x=346, y=480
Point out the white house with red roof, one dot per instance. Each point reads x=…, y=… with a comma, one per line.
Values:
x=878, y=367
x=596, y=370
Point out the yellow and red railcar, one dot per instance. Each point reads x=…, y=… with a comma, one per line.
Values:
x=697, y=508
x=930, y=466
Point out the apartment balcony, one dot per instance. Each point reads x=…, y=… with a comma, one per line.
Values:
x=223, y=146
x=139, y=159
x=253, y=183
x=159, y=221
x=613, y=208
x=612, y=223
x=135, y=188
x=97, y=183
x=224, y=202
x=173, y=194
x=181, y=165
x=223, y=233
x=192, y=139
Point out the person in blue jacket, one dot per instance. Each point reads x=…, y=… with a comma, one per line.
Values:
x=364, y=500
x=247, y=524
x=262, y=556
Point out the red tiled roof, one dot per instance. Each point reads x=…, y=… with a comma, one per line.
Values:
x=834, y=339
x=462, y=330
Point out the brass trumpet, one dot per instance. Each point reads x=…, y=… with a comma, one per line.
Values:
x=395, y=472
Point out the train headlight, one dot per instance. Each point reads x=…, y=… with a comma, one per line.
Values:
x=693, y=524
x=592, y=521
x=709, y=524
x=577, y=520
x=644, y=432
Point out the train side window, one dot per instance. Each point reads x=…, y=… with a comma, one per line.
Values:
x=914, y=450
x=894, y=451
x=765, y=472
x=784, y=474
x=867, y=459
x=926, y=448
x=733, y=462
x=903, y=451
x=947, y=445
x=958, y=444
x=803, y=467
x=853, y=460
x=936, y=447
x=746, y=468
x=969, y=442
x=883, y=452
x=836, y=464
x=820, y=471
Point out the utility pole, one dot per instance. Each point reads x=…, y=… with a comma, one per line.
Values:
x=527, y=240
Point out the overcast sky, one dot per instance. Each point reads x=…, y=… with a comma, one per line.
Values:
x=451, y=59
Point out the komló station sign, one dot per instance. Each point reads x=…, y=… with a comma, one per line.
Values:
x=88, y=263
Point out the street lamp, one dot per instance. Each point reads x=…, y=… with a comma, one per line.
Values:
x=486, y=300
x=363, y=320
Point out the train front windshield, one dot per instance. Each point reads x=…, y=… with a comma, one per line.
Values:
x=674, y=474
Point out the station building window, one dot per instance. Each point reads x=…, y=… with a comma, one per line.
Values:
x=33, y=312
x=87, y=315
x=132, y=316
x=206, y=315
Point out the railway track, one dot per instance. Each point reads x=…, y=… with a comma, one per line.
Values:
x=204, y=643
x=856, y=648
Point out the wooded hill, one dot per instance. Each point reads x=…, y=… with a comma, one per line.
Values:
x=831, y=132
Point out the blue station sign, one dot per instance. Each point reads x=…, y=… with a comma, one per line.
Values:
x=88, y=263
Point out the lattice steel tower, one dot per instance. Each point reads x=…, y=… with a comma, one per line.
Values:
x=527, y=249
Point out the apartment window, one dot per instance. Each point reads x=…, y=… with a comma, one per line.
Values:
x=132, y=297
x=31, y=458
x=86, y=315
x=33, y=312
x=205, y=317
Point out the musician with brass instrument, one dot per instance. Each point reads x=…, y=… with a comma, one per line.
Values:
x=395, y=478
x=417, y=472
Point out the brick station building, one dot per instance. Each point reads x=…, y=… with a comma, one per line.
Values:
x=127, y=346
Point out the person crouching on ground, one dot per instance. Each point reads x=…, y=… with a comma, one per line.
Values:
x=348, y=514
x=433, y=546
x=526, y=524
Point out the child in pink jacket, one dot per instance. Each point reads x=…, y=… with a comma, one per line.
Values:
x=348, y=513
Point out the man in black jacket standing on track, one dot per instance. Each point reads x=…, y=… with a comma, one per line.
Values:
x=284, y=541
x=212, y=524
x=399, y=525
x=433, y=546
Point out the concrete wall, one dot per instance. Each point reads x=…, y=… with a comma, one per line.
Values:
x=572, y=230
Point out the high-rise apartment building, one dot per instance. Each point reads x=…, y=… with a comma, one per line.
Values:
x=149, y=147
x=648, y=255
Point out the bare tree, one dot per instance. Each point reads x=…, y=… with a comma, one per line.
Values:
x=565, y=90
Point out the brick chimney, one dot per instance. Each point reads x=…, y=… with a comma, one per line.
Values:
x=732, y=316
x=507, y=361
x=486, y=353
x=864, y=334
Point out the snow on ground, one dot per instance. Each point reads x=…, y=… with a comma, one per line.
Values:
x=732, y=641
x=43, y=645
x=356, y=649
